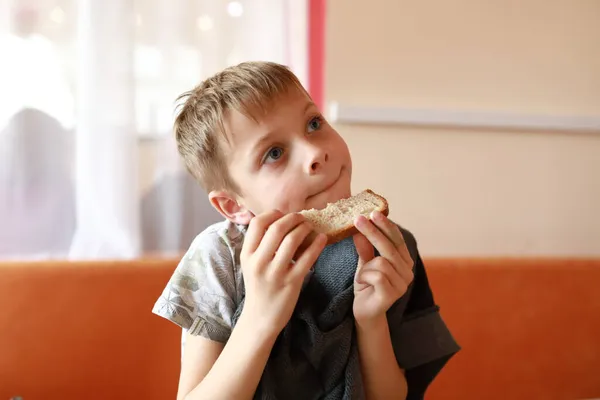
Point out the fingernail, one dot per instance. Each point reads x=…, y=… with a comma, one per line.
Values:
x=360, y=221
x=376, y=215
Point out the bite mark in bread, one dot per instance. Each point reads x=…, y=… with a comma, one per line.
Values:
x=336, y=220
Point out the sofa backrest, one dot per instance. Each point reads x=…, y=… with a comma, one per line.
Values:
x=529, y=329
x=85, y=331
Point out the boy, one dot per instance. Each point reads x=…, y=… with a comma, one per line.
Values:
x=258, y=320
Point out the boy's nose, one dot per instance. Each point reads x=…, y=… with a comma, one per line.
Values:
x=317, y=162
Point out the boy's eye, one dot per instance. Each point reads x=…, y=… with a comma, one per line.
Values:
x=274, y=154
x=314, y=124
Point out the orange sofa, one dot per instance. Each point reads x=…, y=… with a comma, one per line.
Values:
x=529, y=329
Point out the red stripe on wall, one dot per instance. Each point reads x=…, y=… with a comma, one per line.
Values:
x=316, y=50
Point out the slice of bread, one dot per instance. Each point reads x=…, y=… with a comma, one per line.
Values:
x=337, y=219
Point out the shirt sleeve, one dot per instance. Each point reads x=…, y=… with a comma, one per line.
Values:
x=201, y=296
x=422, y=341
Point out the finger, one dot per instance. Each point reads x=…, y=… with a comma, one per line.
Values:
x=403, y=271
x=388, y=228
x=401, y=266
x=308, y=257
x=290, y=244
x=381, y=265
x=364, y=248
x=377, y=279
x=275, y=234
x=398, y=281
x=305, y=243
x=257, y=228
x=385, y=247
x=393, y=233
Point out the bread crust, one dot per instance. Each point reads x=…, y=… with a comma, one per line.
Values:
x=343, y=233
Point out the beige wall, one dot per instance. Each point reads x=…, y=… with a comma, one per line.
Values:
x=475, y=192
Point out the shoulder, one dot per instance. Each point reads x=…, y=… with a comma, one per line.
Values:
x=206, y=287
x=219, y=243
x=213, y=257
x=218, y=237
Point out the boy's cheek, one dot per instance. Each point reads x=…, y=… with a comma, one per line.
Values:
x=286, y=198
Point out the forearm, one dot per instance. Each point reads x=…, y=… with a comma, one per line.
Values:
x=383, y=378
x=237, y=371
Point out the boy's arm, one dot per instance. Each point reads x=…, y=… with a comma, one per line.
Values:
x=211, y=370
x=414, y=335
x=382, y=377
x=272, y=285
x=379, y=282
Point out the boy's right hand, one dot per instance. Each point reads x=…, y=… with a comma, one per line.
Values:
x=272, y=281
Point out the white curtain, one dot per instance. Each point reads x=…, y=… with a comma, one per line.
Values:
x=88, y=165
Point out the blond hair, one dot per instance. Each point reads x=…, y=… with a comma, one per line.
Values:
x=249, y=88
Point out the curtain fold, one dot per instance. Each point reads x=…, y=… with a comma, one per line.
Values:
x=88, y=165
x=106, y=152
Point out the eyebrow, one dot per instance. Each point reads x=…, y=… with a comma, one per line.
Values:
x=267, y=137
x=309, y=104
x=257, y=146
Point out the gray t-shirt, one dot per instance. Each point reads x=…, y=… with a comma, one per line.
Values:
x=206, y=287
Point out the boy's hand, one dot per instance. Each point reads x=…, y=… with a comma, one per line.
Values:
x=379, y=281
x=272, y=281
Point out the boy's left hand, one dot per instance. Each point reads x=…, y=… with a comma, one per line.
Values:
x=382, y=280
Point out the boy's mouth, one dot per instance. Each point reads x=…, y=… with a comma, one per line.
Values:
x=329, y=186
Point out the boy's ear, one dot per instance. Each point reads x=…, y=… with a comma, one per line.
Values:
x=229, y=207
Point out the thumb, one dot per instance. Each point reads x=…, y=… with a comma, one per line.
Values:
x=364, y=248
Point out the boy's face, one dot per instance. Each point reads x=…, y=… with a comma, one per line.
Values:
x=289, y=160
